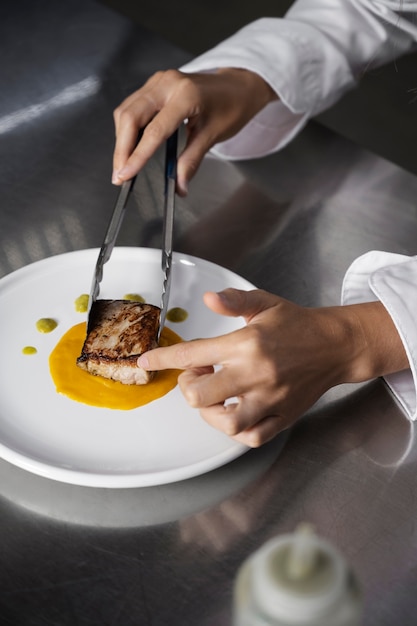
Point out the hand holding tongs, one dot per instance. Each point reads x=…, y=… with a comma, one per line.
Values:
x=168, y=226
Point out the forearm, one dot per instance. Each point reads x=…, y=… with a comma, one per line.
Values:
x=319, y=49
x=310, y=59
x=392, y=280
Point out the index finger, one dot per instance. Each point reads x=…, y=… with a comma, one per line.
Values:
x=129, y=155
x=159, y=108
x=187, y=355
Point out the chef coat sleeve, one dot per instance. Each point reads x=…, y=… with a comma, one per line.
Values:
x=392, y=279
x=310, y=58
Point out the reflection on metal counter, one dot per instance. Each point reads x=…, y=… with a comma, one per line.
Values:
x=290, y=223
x=297, y=578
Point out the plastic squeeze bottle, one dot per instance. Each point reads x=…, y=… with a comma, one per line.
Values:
x=297, y=579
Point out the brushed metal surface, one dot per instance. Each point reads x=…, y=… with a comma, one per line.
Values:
x=290, y=223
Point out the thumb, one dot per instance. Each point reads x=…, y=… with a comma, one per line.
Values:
x=237, y=302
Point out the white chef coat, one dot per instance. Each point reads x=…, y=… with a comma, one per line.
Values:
x=313, y=55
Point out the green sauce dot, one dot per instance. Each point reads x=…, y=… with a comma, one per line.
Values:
x=135, y=297
x=46, y=325
x=81, y=303
x=177, y=314
x=29, y=350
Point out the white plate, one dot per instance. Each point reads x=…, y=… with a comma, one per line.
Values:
x=47, y=433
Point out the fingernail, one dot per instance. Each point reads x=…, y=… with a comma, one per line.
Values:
x=228, y=299
x=222, y=295
x=122, y=175
x=183, y=189
x=115, y=178
x=143, y=362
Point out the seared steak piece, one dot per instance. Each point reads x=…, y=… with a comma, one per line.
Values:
x=118, y=332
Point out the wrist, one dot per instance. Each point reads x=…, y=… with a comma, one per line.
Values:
x=260, y=90
x=372, y=346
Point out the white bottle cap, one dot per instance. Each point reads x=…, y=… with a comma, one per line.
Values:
x=298, y=578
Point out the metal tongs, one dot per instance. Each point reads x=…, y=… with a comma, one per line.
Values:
x=110, y=239
x=168, y=226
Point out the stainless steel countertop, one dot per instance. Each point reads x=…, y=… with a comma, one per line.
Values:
x=290, y=223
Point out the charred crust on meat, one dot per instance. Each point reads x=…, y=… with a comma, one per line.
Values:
x=118, y=332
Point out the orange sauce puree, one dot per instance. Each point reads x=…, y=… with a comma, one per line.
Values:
x=79, y=385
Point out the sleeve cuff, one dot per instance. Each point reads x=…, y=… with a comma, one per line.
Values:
x=392, y=279
x=269, y=131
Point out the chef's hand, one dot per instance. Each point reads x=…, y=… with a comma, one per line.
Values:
x=217, y=105
x=280, y=363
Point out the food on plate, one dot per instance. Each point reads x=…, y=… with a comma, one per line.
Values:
x=46, y=325
x=134, y=296
x=78, y=385
x=177, y=314
x=29, y=350
x=118, y=332
x=81, y=303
